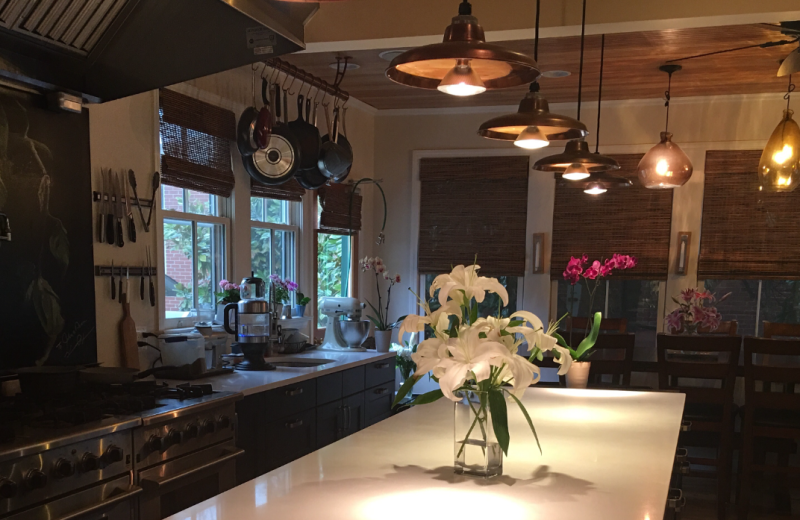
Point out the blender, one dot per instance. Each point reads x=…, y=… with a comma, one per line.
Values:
x=252, y=324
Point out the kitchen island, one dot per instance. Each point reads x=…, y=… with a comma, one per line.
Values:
x=606, y=455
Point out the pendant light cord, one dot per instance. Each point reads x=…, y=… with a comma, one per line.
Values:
x=600, y=92
x=789, y=91
x=580, y=70
x=536, y=32
x=669, y=87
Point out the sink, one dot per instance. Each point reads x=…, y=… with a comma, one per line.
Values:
x=301, y=362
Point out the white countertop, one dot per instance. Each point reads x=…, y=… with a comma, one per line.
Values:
x=607, y=455
x=255, y=382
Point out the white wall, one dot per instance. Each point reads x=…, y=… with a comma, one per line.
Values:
x=124, y=134
x=698, y=124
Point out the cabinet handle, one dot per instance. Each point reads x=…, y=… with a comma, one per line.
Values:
x=381, y=365
x=294, y=424
x=380, y=391
x=347, y=417
x=293, y=392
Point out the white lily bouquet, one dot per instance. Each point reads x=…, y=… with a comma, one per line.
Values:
x=476, y=364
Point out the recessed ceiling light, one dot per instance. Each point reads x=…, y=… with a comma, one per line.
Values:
x=390, y=55
x=556, y=73
x=350, y=66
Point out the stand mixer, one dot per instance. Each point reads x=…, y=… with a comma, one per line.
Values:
x=344, y=334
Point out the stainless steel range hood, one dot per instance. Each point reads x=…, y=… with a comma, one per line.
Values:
x=108, y=49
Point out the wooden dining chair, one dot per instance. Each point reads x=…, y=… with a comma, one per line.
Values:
x=704, y=369
x=781, y=330
x=767, y=417
x=727, y=328
x=612, y=357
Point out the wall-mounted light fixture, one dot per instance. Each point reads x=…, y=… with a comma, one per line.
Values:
x=684, y=240
x=538, y=253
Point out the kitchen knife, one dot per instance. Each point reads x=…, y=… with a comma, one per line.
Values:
x=129, y=214
x=101, y=222
x=150, y=279
x=132, y=181
x=118, y=213
x=128, y=285
x=113, y=283
x=141, y=284
x=156, y=185
x=110, y=239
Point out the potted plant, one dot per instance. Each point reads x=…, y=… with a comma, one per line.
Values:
x=301, y=300
x=592, y=275
x=380, y=316
x=403, y=359
x=279, y=294
x=694, y=311
x=228, y=294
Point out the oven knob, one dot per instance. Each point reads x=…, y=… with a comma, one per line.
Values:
x=208, y=426
x=154, y=444
x=173, y=437
x=89, y=462
x=35, y=479
x=64, y=468
x=191, y=431
x=113, y=454
x=223, y=422
x=8, y=488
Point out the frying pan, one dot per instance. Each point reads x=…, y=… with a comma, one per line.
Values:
x=335, y=160
x=120, y=375
x=246, y=128
x=263, y=124
x=307, y=137
x=48, y=380
x=278, y=162
x=310, y=178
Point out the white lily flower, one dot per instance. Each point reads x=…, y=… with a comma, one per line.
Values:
x=466, y=279
x=494, y=328
x=564, y=359
x=429, y=354
x=439, y=320
x=520, y=373
x=471, y=358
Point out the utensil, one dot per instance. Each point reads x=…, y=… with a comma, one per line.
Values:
x=311, y=178
x=246, y=128
x=308, y=137
x=334, y=159
x=278, y=162
x=156, y=184
x=101, y=221
x=128, y=213
x=118, y=375
x=110, y=238
x=263, y=127
x=150, y=281
x=118, y=211
x=120, y=284
x=132, y=181
x=47, y=380
x=127, y=334
x=141, y=284
x=113, y=283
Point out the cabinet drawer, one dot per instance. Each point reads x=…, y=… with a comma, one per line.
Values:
x=353, y=381
x=289, y=439
x=329, y=388
x=329, y=423
x=379, y=372
x=378, y=403
x=291, y=399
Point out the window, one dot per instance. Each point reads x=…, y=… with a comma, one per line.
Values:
x=334, y=261
x=193, y=249
x=753, y=302
x=273, y=237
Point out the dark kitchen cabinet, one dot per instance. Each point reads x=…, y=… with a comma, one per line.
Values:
x=289, y=438
x=249, y=433
x=378, y=403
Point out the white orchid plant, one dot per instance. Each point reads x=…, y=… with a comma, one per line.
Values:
x=472, y=354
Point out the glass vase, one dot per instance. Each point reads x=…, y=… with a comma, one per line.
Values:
x=475, y=449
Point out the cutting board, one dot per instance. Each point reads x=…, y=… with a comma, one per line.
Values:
x=127, y=336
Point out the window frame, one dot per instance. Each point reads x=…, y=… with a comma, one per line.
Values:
x=294, y=214
x=222, y=205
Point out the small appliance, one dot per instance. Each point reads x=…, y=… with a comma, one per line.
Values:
x=345, y=331
x=252, y=324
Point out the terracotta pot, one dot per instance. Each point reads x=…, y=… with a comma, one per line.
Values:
x=578, y=374
x=383, y=340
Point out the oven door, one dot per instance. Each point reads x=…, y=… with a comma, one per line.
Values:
x=113, y=500
x=180, y=483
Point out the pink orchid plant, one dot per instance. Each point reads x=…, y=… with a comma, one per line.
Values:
x=281, y=288
x=694, y=310
x=380, y=318
x=229, y=294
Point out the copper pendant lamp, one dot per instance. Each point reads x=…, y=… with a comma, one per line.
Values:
x=779, y=167
x=533, y=125
x=463, y=64
x=665, y=165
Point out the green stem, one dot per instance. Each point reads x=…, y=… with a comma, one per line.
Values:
x=466, y=437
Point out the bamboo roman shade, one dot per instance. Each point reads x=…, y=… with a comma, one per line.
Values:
x=195, y=144
x=473, y=206
x=337, y=216
x=289, y=190
x=633, y=221
x=746, y=233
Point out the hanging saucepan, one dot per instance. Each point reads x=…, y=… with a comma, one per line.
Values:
x=246, y=128
x=263, y=127
x=277, y=163
x=310, y=178
x=344, y=142
x=307, y=136
x=334, y=159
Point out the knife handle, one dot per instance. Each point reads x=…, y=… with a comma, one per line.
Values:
x=120, y=240
x=131, y=229
x=120, y=288
x=110, y=229
x=152, y=294
x=141, y=288
x=113, y=288
x=101, y=227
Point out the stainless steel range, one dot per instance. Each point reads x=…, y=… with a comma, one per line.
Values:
x=141, y=451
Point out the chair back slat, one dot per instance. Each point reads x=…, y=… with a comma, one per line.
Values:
x=613, y=357
x=781, y=330
x=767, y=363
x=773, y=374
x=774, y=401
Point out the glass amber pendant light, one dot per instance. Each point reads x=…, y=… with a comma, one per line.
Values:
x=665, y=165
x=533, y=126
x=463, y=64
x=780, y=160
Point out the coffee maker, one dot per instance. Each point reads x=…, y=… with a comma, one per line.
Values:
x=252, y=324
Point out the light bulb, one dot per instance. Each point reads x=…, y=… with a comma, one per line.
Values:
x=782, y=155
x=662, y=168
x=595, y=189
x=575, y=172
x=665, y=165
x=779, y=165
x=461, y=80
x=531, y=138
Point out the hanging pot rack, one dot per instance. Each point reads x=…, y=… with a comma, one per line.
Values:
x=312, y=81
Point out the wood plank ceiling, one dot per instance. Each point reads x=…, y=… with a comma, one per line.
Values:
x=631, y=68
